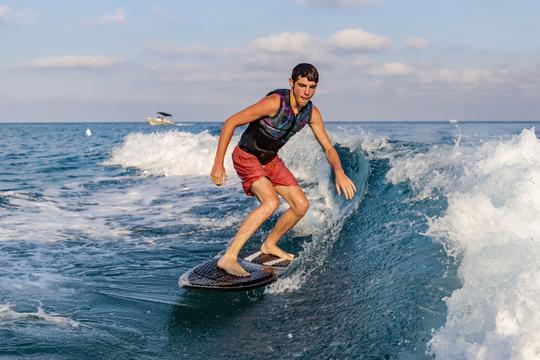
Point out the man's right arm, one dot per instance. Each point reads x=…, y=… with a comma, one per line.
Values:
x=267, y=106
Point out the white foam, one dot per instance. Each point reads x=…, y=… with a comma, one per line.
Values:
x=8, y=314
x=29, y=279
x=491, y=224
x=172, y=153
x=111, y=212
x=50, y=219
x=355, y=137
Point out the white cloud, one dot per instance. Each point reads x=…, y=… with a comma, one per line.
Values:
x=275, y=51
x=416, y=43
x=392, y=69
x=359, y=40
x=286, y=42
x=275, y=54
x=76, y=62
x=116, y=18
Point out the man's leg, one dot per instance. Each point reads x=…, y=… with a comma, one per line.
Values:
x=298, y=206
x=263, y=189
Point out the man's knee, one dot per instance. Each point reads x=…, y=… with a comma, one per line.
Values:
x=301, y=207
x=271, y=204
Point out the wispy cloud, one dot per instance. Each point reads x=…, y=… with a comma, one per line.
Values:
x=273, y=51
x=14, y=16
x=273, y=54
x=290, y=46
x=462, y=76
x=75, y=62
x=391, y=69
x=118, y=17
x=172, y=49
x=356, y=39
x=286, y=42
x=437, y=75
x=416, y=43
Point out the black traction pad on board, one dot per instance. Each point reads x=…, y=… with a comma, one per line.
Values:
x=209, y=276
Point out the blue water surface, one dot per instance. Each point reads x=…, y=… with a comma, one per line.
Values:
x=90, y=254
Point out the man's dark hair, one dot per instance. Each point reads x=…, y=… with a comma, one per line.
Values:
x=305, y=70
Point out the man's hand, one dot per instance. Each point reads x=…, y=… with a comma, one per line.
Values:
x=343, y=183
x=218, y=174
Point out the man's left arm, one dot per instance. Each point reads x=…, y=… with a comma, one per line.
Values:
x=343, y=183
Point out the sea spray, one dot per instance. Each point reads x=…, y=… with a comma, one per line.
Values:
x=491, y=226
x=172, y=153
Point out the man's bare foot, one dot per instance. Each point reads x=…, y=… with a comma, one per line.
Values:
x=232, y=267
x=276, y=251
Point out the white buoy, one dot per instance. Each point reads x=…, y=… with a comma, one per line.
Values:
x=88, y=132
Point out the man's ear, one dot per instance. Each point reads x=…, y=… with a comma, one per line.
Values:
x=291, y=82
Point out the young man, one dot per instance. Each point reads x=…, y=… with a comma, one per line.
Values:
x=272, y=122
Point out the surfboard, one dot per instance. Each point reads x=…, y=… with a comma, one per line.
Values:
x=263, y=268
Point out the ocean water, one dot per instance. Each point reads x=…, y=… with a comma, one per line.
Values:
x=437, y=257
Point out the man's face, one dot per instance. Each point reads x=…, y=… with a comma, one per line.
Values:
x=303, y=90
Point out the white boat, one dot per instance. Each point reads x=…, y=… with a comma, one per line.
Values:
x=160, y=119
x=453, y=121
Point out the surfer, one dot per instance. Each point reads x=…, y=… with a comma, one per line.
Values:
x=272, y=122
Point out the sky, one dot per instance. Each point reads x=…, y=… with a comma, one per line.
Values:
x=378, y=60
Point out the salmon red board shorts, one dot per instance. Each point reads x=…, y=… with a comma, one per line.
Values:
x=250, y=169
